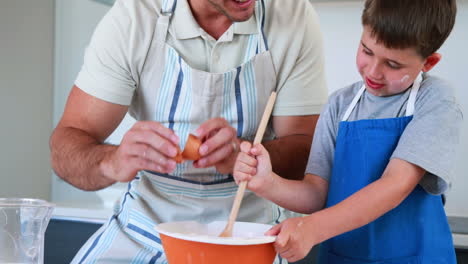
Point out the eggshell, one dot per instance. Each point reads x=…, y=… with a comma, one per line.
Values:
x=179, y=158
x=190, y=151
x=191, y=148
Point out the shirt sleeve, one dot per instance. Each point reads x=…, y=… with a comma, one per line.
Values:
x=321, y=155
x=106, y=72
x=301, y=75
x=430, y=140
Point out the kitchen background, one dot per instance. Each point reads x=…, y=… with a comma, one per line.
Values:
x=42, y=43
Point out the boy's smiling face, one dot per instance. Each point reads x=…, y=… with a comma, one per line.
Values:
x=388, y=71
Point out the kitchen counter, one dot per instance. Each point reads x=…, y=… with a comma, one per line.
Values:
x=459, y=227
x=460, y=241
x=91, y=213
x=98, y=213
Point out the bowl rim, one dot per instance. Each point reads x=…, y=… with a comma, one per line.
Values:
x=215, y=239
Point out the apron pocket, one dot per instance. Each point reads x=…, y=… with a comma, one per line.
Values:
x=332, y=258
x=141, y=229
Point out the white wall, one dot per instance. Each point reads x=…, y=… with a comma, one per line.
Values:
x=26, y=70
x=341, y=28
x=75, y=23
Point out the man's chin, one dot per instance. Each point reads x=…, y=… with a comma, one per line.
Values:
x=244, y=16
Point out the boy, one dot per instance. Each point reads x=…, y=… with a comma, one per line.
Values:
x=382, y=151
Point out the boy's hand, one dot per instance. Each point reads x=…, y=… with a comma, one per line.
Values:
x=293, y=241
x=246, y=165
x=253, y=165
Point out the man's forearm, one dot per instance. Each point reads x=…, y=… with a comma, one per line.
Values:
x=76, y=158
x=289, y=155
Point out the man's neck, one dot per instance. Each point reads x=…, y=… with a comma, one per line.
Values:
x=208, y=17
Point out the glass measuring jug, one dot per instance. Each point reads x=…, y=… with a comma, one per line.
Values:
x=23, y=223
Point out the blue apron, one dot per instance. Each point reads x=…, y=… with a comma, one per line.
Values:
x=414, y=232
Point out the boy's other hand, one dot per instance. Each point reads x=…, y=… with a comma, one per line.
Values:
x=292, y=239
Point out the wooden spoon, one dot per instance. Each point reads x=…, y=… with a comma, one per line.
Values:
x=227, y=232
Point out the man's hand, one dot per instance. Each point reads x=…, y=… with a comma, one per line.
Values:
x=147, y=145
x=220, y=145
x=80, y=157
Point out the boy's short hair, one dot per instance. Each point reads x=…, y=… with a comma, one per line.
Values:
x=420, y=24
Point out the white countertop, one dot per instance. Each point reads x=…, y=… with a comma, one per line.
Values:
x=93, y=213
x=98, y=213
x=460, y=240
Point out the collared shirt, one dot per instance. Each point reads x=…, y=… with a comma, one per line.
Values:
x=221, y=55
x=116, y=55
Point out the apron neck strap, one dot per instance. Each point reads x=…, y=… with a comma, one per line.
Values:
x=413, y=93
x=260, y=14
x=162, y=26
x=168, y=7
x=409, y=105
x=354, y=103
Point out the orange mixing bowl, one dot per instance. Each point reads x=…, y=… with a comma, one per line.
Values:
x=195, y=243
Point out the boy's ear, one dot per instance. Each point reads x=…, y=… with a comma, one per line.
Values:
x=431, y=61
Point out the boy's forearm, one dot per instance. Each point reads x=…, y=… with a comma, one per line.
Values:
x=306, y=196
x=369, y=203
x=76, y=158
x=289, y=155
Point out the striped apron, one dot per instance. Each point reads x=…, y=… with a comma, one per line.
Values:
x=182, y=98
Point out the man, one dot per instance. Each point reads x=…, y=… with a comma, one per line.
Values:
x=188, y=66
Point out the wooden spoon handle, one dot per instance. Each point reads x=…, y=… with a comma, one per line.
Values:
x=258, y=139
x=265, y=117
x=235, y=208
